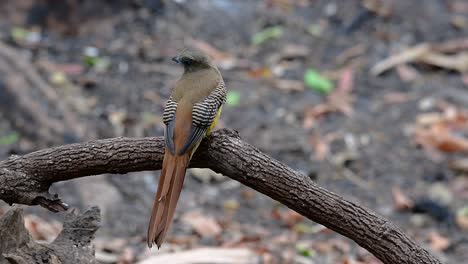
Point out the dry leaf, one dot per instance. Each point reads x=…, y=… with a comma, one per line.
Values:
x=41, y=229
x=262, y=72
x=401, y=201
x=459, y=186
x=106, y=257
x=205, y=226
x=440, y=138
x=293, y=51
x=350, y=53
x=462, y=218
x=243, y=241
x=465, y=79
x=460, y=164
x=438, y=242
x=407, y=73
x=396, y=97
x=127, y=257
x=341, y=99
x=289, y=85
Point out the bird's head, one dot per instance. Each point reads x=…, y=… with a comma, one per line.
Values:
x=193, y=60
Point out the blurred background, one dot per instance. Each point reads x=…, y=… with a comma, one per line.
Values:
x=368, y=98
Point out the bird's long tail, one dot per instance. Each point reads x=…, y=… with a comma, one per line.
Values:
x=169, y=188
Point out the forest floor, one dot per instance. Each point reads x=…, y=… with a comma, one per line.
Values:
x=310, y=85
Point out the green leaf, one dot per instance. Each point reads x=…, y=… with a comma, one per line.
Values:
x=90, y=61
x=317, y=82
x=463, y=211
x=267, y=34
x=307, y=229
x=9, y=139
x=233, y=98
x=315, y=30
x=304, y=251
x=18, y=33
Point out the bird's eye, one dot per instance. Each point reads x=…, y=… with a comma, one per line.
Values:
x=187, y=61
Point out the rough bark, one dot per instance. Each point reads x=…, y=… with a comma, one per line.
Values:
x=72, y=245
x=26, y=180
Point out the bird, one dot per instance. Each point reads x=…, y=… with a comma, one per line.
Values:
x=190, y=114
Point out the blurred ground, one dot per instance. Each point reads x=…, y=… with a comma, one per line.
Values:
x=395, y=142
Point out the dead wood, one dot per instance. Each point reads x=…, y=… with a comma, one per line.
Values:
x=26, y=180
x=72, y=245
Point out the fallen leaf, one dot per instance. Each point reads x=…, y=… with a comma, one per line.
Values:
x=286, y=216
x=462, y=218
x=407, y=73
x=321, y=146
x=231, y=205
x=341, y=99
x=106, y=257
x=325, y=247
x=267, y=34
x=293, y=51
x=284, y=238
x=58, y=78
x=429, y=118
x=396, y=97
x=205, y=226
x=441, y=138
x=262, y=72
x=459, y=6
x=308, y=229
x=316, y=81
x=41, y=229
x=460, y=186
x=350, y=54
x=127, y=257
x=9, y=139
x=401, y=201
x=233, y=98
x=248, y=194
x=107, y=244
x=289, y=85
x=303, y=250
x=438, y=242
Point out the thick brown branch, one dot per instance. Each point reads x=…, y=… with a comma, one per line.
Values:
x=27, y=179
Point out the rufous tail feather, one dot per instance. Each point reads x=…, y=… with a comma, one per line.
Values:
x=167, y=195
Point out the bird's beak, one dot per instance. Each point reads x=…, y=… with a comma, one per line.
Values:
x=176, y=59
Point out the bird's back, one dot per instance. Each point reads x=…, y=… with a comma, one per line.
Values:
x=193, y=87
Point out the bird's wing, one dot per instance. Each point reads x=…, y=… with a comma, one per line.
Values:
x=169, y=119
x=203, y=115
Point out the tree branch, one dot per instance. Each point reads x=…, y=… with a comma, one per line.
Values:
x=26, y=180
